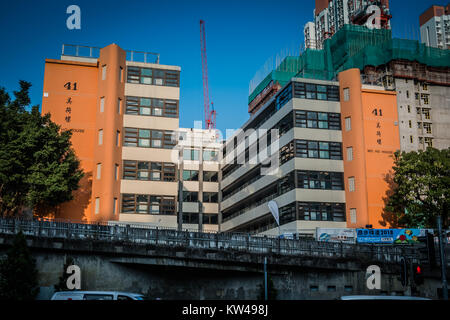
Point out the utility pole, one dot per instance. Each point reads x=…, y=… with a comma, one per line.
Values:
x=443, y=259
x=265, y=279
x=180, y=189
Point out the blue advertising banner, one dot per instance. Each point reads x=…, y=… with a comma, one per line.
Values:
x=389, y=236
x=375, y=235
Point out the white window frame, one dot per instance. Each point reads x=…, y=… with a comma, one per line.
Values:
x=351, y=184
x=349, y=153
x=348, y=123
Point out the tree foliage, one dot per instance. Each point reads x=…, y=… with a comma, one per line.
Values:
x=421, y=188
x=38, y=167
x=18, y=273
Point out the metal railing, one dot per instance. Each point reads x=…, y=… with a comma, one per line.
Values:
x=217, y=241
x=75, y=50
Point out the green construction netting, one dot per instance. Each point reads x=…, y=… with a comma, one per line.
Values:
x=353, y=47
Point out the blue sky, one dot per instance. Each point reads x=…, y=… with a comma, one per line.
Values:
x=241, y=37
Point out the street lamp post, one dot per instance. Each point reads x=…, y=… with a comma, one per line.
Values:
x=443, y=259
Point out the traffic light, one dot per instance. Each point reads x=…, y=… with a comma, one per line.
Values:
x=418, y=274
x=403, y=272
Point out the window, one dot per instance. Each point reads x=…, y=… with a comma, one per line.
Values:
x=427, y=127
x=210, y=155
x=99, y=171
x=114, y=206
x=190, y=175
x=351, y=184
x=316, y=91
x=210, y=176
x=318, y=149
x=191, y=154
x=320, y=180
x=97, y=205
x=190, y=217
x=425, y=98
x=348, y=124
x=149, y=171
x=317, y=211
x=98, y=297
x=346, y=94
x=148, y=204
x=157, y=77
x=353, y=215
x=429, y=142
x=331, y=288
x=152, y=107
x=410, y=123
x=426, y=113
x=119, y=105
x=100, y=137
x=209, y=218
x=409, y=109
x=313, y=288
x=317, y=120
x=411, y=139
x=349, y=153
x=116, y=171
x=189, y=196
x=407, y=94
x=120, y=74
x=102, y=104
x=146, y=138
x=283, y=97
x=210, y=197
x=104, y=72
x=348, y=288
x=418, y=110
x=118, y=138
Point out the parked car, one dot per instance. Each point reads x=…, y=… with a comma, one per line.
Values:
x=382, y=298
x=96, y=295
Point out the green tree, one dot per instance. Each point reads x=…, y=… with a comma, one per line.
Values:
x=38, y=167
x=421, y=188
x=18, y=273
x=62, y=284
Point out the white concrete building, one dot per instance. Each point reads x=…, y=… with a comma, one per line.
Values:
x=435, y=27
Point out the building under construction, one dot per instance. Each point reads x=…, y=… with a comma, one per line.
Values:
x=419, y=74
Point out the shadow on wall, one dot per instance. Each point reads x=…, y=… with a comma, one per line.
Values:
x=390, y=219
x=74, y=210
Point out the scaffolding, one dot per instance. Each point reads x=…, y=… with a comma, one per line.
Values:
x=356, y=46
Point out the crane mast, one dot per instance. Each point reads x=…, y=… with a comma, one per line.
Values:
x=210, y=115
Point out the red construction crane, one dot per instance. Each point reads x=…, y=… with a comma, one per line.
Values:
x=210, y=115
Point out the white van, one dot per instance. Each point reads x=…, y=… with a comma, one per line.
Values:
x=96, y=295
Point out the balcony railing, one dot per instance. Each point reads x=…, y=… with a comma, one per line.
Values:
x=74, y=50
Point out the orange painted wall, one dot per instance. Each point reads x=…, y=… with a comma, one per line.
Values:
x=110, y=121
x=354, y=138
x=374, y=138
x=82, y=120
x=87, y=120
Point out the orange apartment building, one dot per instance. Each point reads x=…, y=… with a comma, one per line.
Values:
x=370, y=136
x=89, y=95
